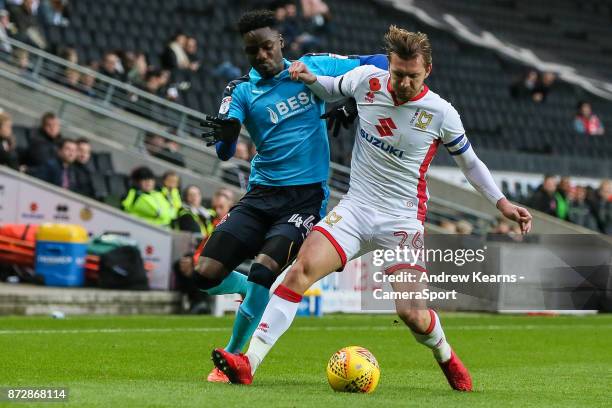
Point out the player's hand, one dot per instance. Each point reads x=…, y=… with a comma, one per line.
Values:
x=224, y=130
x=515, y=213
x=298, y=71
x=341, y=115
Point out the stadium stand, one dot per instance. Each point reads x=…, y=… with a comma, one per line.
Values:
x=475, y=80
x=583, y=27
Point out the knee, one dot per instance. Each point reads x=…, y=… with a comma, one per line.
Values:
x=414, y=318
x=299, y=276
x=262, y=274
x=209, y=273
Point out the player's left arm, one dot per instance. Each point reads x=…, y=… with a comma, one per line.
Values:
x=335, y=65
x=328, y=88
x=477, y=173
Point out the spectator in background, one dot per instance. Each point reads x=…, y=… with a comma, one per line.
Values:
x=60, y=170
x=222, y=201
x=17, y=3
x=586, y=122
x=88, y=81
x=137, y=69
x=154, y=82
x=174, y=56
x=28, y=28
x=170, y=190
x=299, y=40
x=162, y=148
x=242, y=151
x=111, y=66
x=448, y=226
x=543, y=87
x=524, y=88
x=603, y=207
x=7, y=29
x=504, y=231
x=143, y=201
x=84, y=167
x=43, y=141
x=8, y=144
x=317, y=11
x=70, y=54
x=191, y=48
x=543, y=199
x=194, y=217
x=501, y=231
x=562, y=197
x=288, y=26
x=580, y=212
x=55, y=12
x=238, y=174
x=154, y=143
x=464, y=227
x=71, y=79
x=226, y=71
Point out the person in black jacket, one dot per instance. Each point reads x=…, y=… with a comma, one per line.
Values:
x=84, y=167
x=8, y=152
x=43, y=141
x=544, y=197
x=60, y=170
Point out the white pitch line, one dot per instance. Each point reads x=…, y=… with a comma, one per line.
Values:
x=324, y=328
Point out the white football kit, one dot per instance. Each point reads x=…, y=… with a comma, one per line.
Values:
x=395, y=143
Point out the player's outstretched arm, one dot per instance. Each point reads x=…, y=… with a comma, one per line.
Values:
x=480, y=178
x=322, y=86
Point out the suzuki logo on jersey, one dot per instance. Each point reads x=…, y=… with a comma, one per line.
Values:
x=374, y=141
x=386, y=127
x=291, y=106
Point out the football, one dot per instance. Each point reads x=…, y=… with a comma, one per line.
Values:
x=353, y=369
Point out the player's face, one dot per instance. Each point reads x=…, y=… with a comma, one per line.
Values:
x=407, y=76
x=263, y=48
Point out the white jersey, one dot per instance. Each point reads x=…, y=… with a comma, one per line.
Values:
x=396, y=142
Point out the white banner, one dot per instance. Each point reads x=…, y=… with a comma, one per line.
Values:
x=27, y=201
x=8, y=200
x=342, y=291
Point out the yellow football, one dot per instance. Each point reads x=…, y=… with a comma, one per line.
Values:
x=353, y=369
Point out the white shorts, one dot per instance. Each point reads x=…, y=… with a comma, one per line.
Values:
x=355, y=229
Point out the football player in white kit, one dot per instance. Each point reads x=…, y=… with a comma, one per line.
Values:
x=401, y=125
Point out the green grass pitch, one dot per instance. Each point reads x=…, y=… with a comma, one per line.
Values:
x=161, y=361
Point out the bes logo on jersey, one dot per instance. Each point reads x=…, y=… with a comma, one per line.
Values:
x=291, y=106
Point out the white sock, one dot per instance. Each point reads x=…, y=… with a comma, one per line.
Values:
x=435, y=339
x=277, y=318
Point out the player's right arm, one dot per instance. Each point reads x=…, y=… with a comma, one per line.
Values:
x=225, y=127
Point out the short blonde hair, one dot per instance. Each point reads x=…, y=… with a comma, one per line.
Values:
x=407, y=44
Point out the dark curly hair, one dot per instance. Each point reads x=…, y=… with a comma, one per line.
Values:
x=254, y=19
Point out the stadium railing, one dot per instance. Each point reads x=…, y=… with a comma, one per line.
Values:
x=121, y=121
x=106, y=91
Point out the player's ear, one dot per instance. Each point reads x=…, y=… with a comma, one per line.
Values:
x=282, y=41
x=428, y=70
